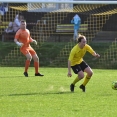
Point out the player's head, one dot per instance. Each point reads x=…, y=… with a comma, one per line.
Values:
x=82, y=41
x=23, y=24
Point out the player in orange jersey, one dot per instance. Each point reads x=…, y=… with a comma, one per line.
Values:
x=23, y=40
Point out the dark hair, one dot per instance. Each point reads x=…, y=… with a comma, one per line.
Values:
x=80, y=38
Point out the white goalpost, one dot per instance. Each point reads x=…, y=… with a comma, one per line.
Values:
x=60, y=1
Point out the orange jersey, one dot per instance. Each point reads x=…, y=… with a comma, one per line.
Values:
x=23, y=36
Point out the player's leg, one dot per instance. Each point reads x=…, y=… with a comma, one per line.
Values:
x=78, y=34
x=28, y=59
x=36, y=65
x=36, y=62
x=89, y=72
x=79, y=77
x=75, y=35
x=77, y=70
x=27, y=63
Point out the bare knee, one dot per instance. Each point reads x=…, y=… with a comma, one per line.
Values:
x=36, y=58
x=80, y=76
x=29, y=57
x=90, y=73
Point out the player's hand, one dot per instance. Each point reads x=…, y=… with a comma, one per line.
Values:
x=97, y=55
x=35, y=42
x=69, y=74
x=19, y=44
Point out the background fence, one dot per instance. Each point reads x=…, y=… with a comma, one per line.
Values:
x=53, y=47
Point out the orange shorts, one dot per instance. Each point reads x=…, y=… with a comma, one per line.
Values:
x=27, y=50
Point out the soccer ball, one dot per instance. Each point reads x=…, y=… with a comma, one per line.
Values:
x=114, y=85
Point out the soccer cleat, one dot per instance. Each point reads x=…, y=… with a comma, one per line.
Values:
x=38, y=74
x=72, y=87
x=25, y=74
x=82, y=87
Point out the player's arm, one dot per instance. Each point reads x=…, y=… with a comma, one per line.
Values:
x=16, y=39
x=17, y=22
x=18, y=43
x=90, y=50
x=33, y=41
x=95, y=54
x=72, y=21
x=72, y=53
x=69, y=69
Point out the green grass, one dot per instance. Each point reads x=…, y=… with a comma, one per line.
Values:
x=49, y=96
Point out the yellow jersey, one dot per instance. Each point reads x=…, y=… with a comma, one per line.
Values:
x=77, y=54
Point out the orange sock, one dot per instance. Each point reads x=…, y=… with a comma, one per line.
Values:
x=27, y=64
x=36, y=65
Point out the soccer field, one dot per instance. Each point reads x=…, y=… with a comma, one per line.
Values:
x=49, y=96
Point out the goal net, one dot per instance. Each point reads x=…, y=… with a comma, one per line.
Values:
x=50, y=24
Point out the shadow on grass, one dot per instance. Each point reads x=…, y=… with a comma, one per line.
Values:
x=47, y=93
x=11, y=76
x=16, y=76
x=43, y=93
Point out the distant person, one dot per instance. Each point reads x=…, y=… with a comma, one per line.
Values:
x=17, y=21
x=9, y=29
x=2, y=9
x=78, y=65
x=76, y=20
x=23, y=40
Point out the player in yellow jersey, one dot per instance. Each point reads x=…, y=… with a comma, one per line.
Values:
x=78, y=65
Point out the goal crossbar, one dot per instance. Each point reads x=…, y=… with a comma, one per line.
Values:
x=59, y=1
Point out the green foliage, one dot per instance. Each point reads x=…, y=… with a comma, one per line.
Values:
x=49, y=51
x=5, y=48
x=49, y=96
